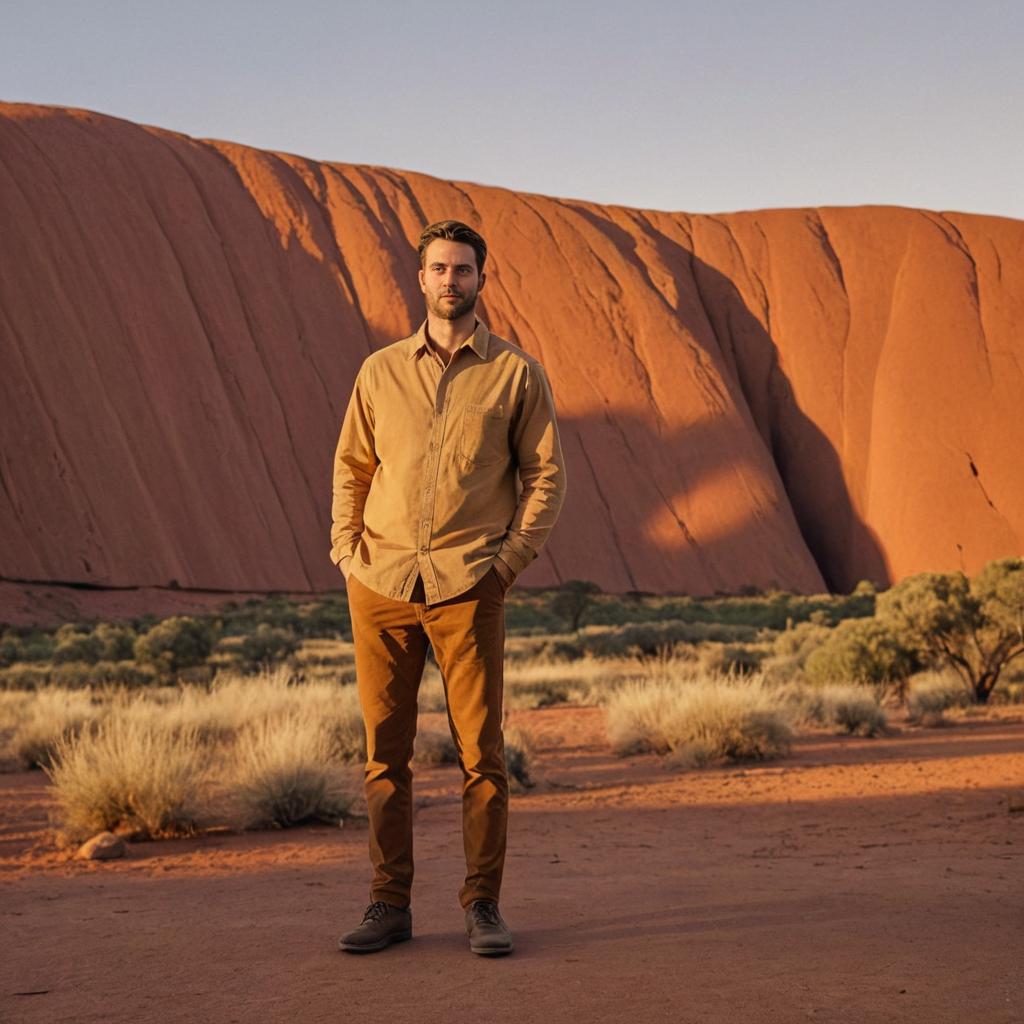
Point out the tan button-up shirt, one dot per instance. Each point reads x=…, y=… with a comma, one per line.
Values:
x=425, y=473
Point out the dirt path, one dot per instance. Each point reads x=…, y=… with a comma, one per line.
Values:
x=857, y=881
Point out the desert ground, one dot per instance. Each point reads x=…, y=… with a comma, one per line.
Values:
x=856, y=880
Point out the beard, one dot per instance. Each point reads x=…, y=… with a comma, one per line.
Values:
x=452, y=310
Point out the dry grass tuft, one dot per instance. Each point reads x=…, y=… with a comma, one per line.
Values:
x=931, y=694
x=519, y=752
x=699, y=719
x=435, y=747
x=284, y=770
x=855, y=708
x=260, y=750
x=129, y=773
x=52, y=714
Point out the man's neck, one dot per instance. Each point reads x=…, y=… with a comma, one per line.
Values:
x=448, y=335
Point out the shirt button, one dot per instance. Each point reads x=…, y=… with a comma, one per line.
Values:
x=424, y=547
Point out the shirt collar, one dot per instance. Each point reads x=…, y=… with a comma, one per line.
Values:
x=477, y=341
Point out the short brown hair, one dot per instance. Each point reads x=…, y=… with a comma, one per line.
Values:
x=454, y=231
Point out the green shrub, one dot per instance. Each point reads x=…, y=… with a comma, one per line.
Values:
x=10, y=650
x=730, y=659
x=793, y=646
x=36, y=646
x=75, y=646
x=267, y=646
x=176, y=643
x=973, y=626
x=860, y=651
x=117, y=643
x=572, y=600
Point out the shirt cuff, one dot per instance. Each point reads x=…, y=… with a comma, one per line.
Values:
x=516, y=557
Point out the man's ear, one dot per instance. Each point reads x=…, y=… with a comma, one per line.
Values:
x=423, y=287
x=483, y=280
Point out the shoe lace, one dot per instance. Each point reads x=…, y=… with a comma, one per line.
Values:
x=486, y=912
x=376, y=911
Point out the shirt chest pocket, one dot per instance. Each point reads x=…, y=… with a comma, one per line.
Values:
x=483, y=439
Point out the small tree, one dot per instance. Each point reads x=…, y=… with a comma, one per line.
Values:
x=75, y=646
x=861, y=651
x=175, y=644
x=976, y=626
x=118, y=642
x=267, y=646
x=572, y=601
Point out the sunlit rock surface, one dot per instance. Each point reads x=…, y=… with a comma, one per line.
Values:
x=794, y=398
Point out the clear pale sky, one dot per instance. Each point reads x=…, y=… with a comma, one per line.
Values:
x=705, y=107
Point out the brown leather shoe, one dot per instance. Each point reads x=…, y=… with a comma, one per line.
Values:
x=488, y=933
x=382, y=924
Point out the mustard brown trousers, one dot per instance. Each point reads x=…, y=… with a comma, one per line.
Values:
x=467, y=634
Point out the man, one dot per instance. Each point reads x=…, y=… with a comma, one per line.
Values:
x=430, y=528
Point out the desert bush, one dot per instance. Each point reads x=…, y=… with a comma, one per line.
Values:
x=119, y=673
x=930, y=694
x=541, y=683
x=571, y=602
x=128, y=772
x=10, y=649
x=724, y=659
x=861, y=651
x=117, y=643
x=70, y=675
x=1011, y=693
x=266, y=646
x=36, y=646
x=75, y=646
x=700, y=719
x=519, y=752
x=972, y=625
x=434, y=746
x=345, y=722
x=25, y=676
x=50, y=716
x=177, y=643
x=284, y=771
x=854, y=708
x=431, y=693
x=791, y=649
x=634, y=639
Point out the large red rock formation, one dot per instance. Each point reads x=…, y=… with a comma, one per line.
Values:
x=797, y=398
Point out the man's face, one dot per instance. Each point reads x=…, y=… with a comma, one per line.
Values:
x=449, y=279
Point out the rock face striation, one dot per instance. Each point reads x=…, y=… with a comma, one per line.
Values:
x=796, y=398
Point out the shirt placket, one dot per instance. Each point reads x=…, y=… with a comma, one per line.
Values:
x=430, y=473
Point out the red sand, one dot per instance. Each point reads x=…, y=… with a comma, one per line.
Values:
x=858, y=880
